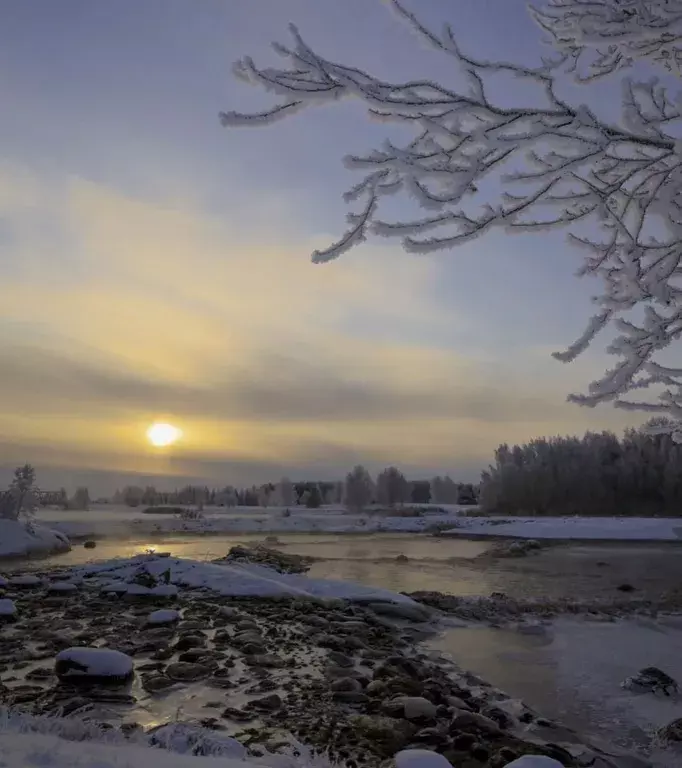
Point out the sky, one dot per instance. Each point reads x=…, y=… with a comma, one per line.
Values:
x=155, y=266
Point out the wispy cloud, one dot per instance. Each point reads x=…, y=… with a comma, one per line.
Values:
x=117, y=310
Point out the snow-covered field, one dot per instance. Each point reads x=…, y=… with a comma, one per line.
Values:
x=579, y=528
x=20, y=538
x=120, y=521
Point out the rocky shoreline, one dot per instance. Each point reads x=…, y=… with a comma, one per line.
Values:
x=346, y=678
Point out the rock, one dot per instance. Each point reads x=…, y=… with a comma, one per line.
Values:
x=186, y=671
x=341, y=659
x=62, y=587
x=345, y=684
x=267, y=660
x=162, y=617
x=228, y=612
x=94, y=666
x=499, y=716
x=455, y=701
x=625, y=588
x=402, y=559
x=238, y=715
x=351, y=697
x=465, y=721
x=190, y=641
x=27, y=581
x=268, y=703
x=246, y=625
x=409, y=611
x=253, y=649
x=89, y=544
x=671, y=732
x=8, y=610
x=388, y=734
x=651, y=679
x=418, y=708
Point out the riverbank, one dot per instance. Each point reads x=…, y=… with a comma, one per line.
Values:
x=340, y=670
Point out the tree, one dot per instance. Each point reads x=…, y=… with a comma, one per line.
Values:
x=80, y=499
x=557, y=164
x=132, y=495
x=20, y=496
x=285, y=493
x=359, y=489
x=392, y=487
x=312, y=498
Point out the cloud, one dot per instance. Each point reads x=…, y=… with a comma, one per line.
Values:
x=121, y=309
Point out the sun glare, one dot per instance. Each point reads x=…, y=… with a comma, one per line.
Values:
x=161, y=435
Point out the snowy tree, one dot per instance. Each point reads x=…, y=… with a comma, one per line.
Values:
x=444, y=490
x=227, y=497
x=20, y=498
x=132, y=495
x=359, y=489
x=392, y=487
x=613, y=182
x=80, y=500
x=264, y=495
x=339, y=490
x=286, y=496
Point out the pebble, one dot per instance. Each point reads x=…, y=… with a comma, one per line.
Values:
x=186, y=671
x=341, y=659
x=345, y=684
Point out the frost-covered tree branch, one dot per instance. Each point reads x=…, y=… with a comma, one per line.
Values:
x=603, y=36
x=555, y=165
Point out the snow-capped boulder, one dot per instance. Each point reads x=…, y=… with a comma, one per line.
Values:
x=8, y=610
x=420, y=758
x=162, y=617
x=19, y=538
x=26, y=581
x=62, y=587
x=3, y=582
x=94, y=665
x=534, y=761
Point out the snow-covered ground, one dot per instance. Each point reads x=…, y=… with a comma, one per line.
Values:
x=42, y=743
x=234, y=580
x=579, y=528
x=19, y=538
x=119, y=521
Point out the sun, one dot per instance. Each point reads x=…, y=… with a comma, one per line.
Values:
x=162, y=435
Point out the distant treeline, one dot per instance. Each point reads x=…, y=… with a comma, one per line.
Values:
x=598, y=474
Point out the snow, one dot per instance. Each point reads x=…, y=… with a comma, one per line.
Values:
x=42, y=742
x=62, y=586
x=420, y=758
x=19, y=538
x=163, y=617
x=534, y=761
x=594, y=528
x=7, y=607
x=96, y=662
x=110, y=520
x=227, y=579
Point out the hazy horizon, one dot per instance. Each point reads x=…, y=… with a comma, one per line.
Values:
x=156, y=266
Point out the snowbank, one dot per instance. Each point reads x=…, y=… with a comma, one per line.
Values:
x=596, y=528
x=19, y=538
x=233, y=580
x=33, y=743
x=115, y=521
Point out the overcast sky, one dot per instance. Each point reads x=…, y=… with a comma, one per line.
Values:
x=156, y=266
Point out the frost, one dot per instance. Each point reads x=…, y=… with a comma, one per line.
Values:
x=558, y=166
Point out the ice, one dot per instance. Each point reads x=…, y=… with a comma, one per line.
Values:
x=7, y=607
